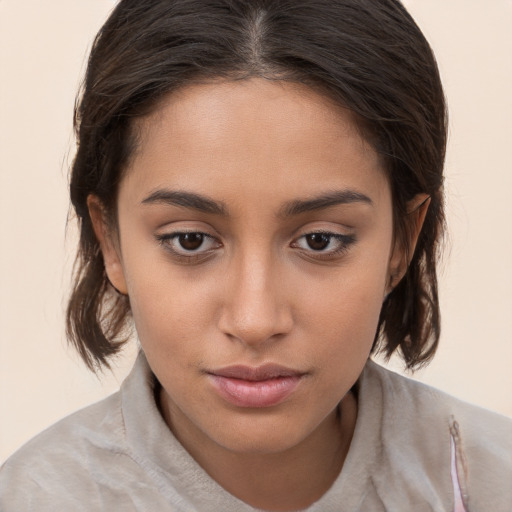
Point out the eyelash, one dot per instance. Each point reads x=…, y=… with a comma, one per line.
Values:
x=345, y=241
x=195, y=256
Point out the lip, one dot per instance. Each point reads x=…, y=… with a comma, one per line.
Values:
x=264, y=386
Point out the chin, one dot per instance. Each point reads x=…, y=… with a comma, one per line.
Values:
x=259, y=443
x=258, y=433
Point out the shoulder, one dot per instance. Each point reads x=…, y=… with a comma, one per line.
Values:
x=60, y=460
x=96, y=458
x=414, y=399
x=428, y=423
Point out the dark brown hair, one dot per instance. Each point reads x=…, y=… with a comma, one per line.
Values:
x=368, y=55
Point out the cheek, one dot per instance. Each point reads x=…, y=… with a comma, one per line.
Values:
x=170, y=310
x=342, y=314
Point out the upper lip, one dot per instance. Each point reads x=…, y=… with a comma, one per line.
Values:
x=249, y=373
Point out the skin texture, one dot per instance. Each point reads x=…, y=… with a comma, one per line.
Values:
x=256, y=291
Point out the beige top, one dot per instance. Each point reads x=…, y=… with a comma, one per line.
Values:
x=412, y=446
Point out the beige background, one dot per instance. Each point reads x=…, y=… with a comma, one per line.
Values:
x=43, y=44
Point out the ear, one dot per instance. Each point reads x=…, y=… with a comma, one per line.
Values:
x=405, y=244
x=108, y=244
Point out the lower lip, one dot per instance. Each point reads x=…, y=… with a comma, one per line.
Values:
x=264, y=393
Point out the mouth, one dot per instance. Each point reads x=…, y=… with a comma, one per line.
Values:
x=263, y=386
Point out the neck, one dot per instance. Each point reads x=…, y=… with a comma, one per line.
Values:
x=283, y=481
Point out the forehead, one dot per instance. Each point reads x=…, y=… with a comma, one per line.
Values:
x=215, y=109
x=256, y=135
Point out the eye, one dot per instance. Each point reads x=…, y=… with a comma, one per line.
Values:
x=188, y=243
x=324, y=243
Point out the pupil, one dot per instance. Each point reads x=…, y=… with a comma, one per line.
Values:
x=318, y=241
x=191, y=241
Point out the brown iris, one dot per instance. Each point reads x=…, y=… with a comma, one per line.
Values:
x=191, y=241
x=318, y=241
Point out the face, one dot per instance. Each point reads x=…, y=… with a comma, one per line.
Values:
x=255, y=244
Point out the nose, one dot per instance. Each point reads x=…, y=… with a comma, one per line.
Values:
x=256, y=309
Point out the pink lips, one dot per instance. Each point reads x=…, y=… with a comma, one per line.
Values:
x=264, y=386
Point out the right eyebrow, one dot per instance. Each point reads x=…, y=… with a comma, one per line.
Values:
x=186, y=200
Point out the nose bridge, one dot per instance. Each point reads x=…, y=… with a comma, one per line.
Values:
x=256, y=309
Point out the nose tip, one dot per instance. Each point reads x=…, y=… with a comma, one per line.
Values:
x=257, y=327
x=255, y=310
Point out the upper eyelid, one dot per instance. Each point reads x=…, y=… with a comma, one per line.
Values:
x=170, y=229
x=186, y=231
x=323, y=232
x=319, y=226
x=177, y=232
x=329, y=233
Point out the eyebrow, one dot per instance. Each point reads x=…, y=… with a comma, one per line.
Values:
x=187, y=200
x=323, y=201
x=205, y=204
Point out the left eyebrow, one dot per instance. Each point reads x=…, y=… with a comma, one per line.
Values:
x=323, y=201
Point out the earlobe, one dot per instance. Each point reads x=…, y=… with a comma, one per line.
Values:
x=405, y=244
x=109, y=247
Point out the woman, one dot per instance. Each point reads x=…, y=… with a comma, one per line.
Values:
x=259, y=186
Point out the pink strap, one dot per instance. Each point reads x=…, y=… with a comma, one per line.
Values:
x=459, y=504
